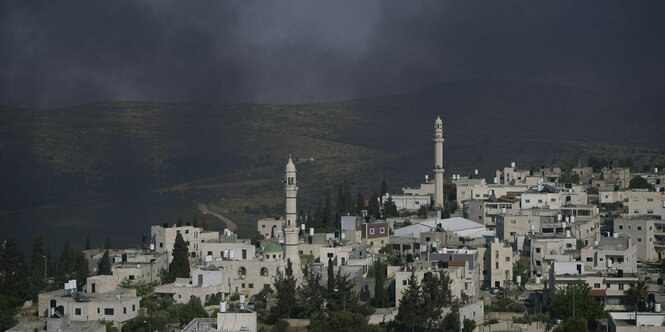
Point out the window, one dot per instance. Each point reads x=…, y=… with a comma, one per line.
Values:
x=382, y=230
x=513, y=221
x=639, y=239
x=507, y=259
x=527, y=200
x=403, y=282
x=371, y=230
x=569, y=245
x=243, y=285
x=636, y=212
x=620, y=286
x=649, y=199
x=538, y=250
x=263, y=226
x=187, y=231
x=133, y=307
x=636, y=199
x=209, y=253
x=77, y=311
x=161, y=245
x=330, y=254
x=639, y=228
x=264, y=271
x=124, y=310
x=596, y=285
x=427, y=239
x=649, y=211
x=538, y=263
x=242, y=271
x=108, y=311
x=589, y=259
x=620, y=226
x=251, y=285
x=540, y=201
x=496, y=265
x=98, y=310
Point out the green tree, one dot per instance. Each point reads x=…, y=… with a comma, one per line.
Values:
x=638, y=292
x=285, y=287
x=341, y=203
x=408, y=311
x=179, y=222
x=179, y=267
x=193, y=309
x=381, y=299
x=311, y=294
x=451, y=322
x=597, y=163
x=585, y=306
x=389, y=208
x=573, y=325
x=38, y=258
x=13, y=271
x=66, y=262
x=360, y=203
x=8, y=312
x=373, y=207
x=384, y=187
x=81, y=269
x=195, y=221
x=328, y=216
x=204, y=224
x=521, y=268
x=105, y=264
x=469, y=325
x=331, y=280
x=639, y=182
x=87, y=243
x=348, y=202
x=107, y=244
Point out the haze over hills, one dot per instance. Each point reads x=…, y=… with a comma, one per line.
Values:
x=233, y=155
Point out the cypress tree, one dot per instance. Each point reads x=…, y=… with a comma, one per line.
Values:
x=380, y=292
x=318, y=215
x=341, y=204
x=195, y=221
x=360, y=205
x=204, y=224
x=179, y=223
x=87, y=243
x=348, y=201
x=38, y=258
x=384, y=187
x=285, y=286
x=81, y=269
x=66, y=260
x=328, y=217
x=105, y=264
x=373, y=207
x=331, y=279
x=179, y=267
x=107, y=243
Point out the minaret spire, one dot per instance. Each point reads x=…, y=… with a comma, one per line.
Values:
x=438, y=162
x=290, y=218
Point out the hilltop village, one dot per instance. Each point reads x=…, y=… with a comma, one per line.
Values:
x=570, y=248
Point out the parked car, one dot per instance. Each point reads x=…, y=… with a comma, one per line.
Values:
x=494, y=290
x=485, y=287
x=639, y=263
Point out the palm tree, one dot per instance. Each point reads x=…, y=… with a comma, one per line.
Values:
x=638, y=291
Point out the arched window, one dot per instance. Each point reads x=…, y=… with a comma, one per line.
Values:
x=264, y=271
x=242, y=271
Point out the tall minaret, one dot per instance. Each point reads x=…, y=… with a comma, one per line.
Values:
x=290, y=215
x=438, y=162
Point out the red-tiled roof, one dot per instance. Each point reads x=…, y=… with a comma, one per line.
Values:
x=598, y=292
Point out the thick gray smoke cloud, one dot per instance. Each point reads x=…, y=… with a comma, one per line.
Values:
x=55, y=53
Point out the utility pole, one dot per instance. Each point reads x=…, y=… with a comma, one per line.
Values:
x=45, y=267
x=573, y=300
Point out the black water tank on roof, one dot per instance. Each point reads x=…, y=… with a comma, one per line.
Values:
x=620, y=273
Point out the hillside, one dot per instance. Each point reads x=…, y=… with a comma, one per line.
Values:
x=233, y=155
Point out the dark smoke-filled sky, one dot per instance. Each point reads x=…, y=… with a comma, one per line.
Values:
x=58, y=53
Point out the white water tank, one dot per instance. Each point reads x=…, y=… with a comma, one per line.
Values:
x=655, y=169
x=595, y=243
x=512, y=164
x=616, y=235
x=518, y=279
x=475, y=171
x=532, y=227
x=242, y=298
x=563, y=224
x=152, y=247
x=426, y=178
x=558, y=217
x=503, y=210
x=567, y=233
x=302, y=227
x=496, y=180
x=567, y=218
x=311, y=231
x=222, y=306
x=609, y=263
x=537, y=280
x=572, y=219
x=656, y=307
x=231, y=254
x=343, y=235
x=496, y=240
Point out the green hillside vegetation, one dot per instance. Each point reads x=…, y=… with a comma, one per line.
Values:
x=232, y=156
